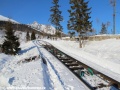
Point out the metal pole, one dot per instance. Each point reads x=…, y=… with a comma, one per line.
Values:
x=114, y=16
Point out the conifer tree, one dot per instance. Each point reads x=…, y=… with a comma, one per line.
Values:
x=27, y=36
x=11, y=43
x=79, y=17
x=103, y=29
x=56, y=17
x=33, y=36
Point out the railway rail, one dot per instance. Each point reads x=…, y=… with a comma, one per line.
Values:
x=93, y=79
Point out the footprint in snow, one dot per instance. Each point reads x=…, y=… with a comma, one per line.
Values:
x=11, y=80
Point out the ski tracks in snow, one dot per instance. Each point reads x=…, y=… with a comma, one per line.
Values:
x=47, y=81
x=54, y=75
x=52, y=80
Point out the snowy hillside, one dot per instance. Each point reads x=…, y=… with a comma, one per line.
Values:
x=45, y=28
x=36, y=26
x=3, y=18
x=21, y=35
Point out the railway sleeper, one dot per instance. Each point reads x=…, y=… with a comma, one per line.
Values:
x=67, y=61
x=76, y=68
x=71, y=64
x=60, y=58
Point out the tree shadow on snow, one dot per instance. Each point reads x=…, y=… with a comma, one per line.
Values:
x=25, y=50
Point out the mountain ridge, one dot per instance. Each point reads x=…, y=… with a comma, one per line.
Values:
x=3, y=18
x=49, y=29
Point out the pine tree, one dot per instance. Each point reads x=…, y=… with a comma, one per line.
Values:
x=55, y=17
x=11, y=43
x=79, y=18
x=33, y=36
x=27, y=36
x=103, y=29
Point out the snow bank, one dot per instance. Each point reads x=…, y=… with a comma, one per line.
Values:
x=96, y=54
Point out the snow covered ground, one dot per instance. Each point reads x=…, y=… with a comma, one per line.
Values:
x=100, y=55
x=17, y=74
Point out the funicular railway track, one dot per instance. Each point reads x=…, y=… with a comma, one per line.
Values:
x=93, y=79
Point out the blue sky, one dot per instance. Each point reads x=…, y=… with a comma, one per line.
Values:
x=28, y=11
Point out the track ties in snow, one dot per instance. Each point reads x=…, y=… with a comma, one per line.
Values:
x=90, y=77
